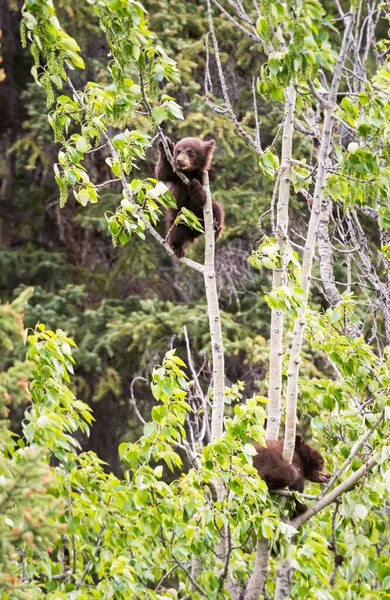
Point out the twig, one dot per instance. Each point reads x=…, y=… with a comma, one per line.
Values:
x=253, y=36
x=354, y=450
x=193, y=582
x=133, y=400
x=221, y=75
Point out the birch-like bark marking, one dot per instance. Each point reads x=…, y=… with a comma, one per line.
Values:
x=283, y=581
x=325, y=255
x=274, y=410
x=326, y=260
x=214, y=316
x=308, y=254
x=259, y=574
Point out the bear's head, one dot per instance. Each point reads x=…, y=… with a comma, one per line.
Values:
x=193, y=154
x=312, y=462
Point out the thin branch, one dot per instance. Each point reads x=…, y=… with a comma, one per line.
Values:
x=316, y=95
x=165, y=576
x=193, y=582
x=98, y=185
x=133, y=400
x=222, y=80
x=250, y=34
x=257, y=121
x=354, y=450
x=332, y=496
x=206, y=424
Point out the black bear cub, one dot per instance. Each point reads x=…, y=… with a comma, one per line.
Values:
x=192, y=156
x=307, y=463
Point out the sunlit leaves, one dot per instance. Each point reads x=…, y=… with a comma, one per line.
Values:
x=269, y=163
x=149, y=195
x=133, y=50
x=305, y=46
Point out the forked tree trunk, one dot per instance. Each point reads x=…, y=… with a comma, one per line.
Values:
x=274, y=409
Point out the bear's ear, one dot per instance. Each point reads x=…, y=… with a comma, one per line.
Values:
x=208, y=154
x=299, y=441
x=210, y=145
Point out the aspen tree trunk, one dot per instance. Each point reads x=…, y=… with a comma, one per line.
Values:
x=260, y=568
x=274, y=409
x=308, y=254
x=214, y=316
x=285, y=570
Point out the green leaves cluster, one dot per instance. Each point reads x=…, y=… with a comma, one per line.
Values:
x=297, y=34
x=289, y=296
x=135, y=55
x=149, y=195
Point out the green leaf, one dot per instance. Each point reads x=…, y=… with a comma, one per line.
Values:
x=149, y=429
x=159, y=114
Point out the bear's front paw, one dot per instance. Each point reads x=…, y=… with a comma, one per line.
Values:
x=178, y=251
x=299, y=509
x=161, y=149
x=196, y=192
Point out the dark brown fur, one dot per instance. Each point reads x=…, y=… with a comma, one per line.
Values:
x=307, y=463
x=192, y=156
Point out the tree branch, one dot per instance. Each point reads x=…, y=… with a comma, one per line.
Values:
x=342, y=488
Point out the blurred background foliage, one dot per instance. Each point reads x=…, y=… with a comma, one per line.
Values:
x=125, y=307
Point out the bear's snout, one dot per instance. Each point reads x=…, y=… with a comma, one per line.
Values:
x=183, y=164
x=324, y=476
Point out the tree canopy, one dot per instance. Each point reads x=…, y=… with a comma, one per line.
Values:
x=133, y=383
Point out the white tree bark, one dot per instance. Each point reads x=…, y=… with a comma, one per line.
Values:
x=259, y=574
x=308, y=254
x=274, y=409
x=214, y=316
x=283, y=581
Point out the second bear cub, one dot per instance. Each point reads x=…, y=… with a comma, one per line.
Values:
x=192, y=156
x=307, y=463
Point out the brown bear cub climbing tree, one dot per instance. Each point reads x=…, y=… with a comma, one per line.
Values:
x=307, y=463
x=192, y=156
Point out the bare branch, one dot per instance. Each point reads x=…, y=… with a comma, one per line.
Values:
x=250, y=34
x=133, y=400
x=222, y=80
x=192, y=580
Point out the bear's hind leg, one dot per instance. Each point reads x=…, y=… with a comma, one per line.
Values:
x=218, y=218
x=180, y=238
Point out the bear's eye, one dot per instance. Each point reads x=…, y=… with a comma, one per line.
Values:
x=190, y=152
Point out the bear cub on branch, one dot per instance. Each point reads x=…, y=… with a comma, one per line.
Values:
x=192, y=156
x=307, y=463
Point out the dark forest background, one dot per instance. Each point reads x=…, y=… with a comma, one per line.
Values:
x=125, y=307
